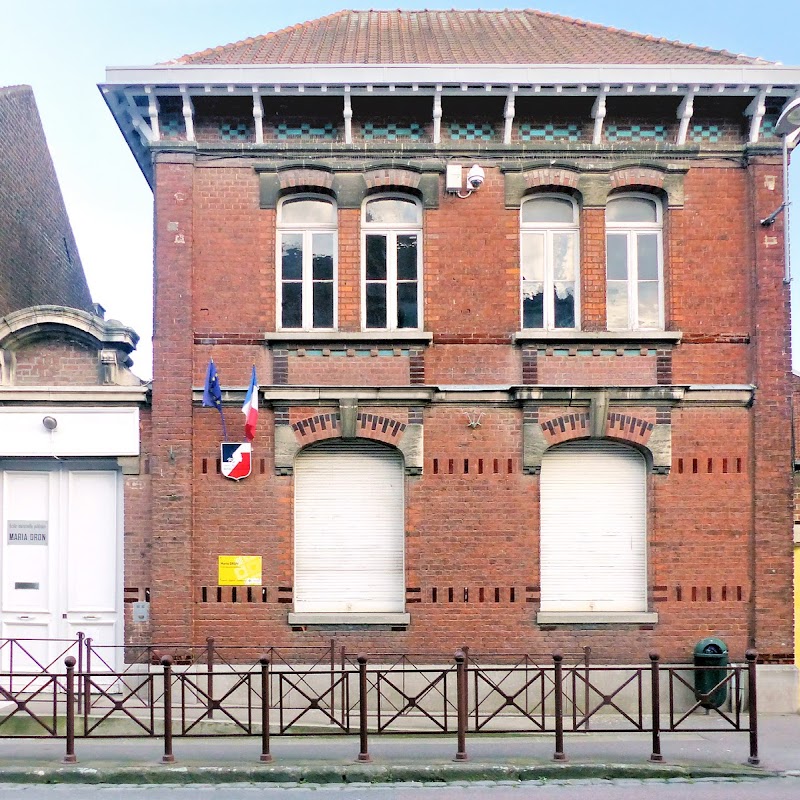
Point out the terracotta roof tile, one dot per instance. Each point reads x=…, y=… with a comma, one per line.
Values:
x=457, y=37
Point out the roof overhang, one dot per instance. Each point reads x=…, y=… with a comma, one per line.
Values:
x=131, y=93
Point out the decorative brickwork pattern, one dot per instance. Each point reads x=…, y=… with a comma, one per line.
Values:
x=280, y=367
x=305, y=178
x=530, y=366
x=568, y=426
x=383, y=429
x=316, y=428
x=368, y=426
x=637, y=176
x=626, y=426
x=548, y=132
x=416, y=368
x=392, y=177
x=551, y=177
x=664, y=367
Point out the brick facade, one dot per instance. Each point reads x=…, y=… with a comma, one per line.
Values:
x=476, y=399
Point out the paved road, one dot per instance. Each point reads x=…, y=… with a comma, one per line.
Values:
x=704, y=789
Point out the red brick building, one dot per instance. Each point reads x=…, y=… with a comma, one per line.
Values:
x=69, y=418
x=522, y=344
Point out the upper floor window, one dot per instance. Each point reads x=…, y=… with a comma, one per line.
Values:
x=307, y=263
x=549, y=262
x=634, y=263
x=392, y=263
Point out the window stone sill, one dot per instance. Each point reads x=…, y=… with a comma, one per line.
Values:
x=349, y=618
x=333, y=337
x=531, y=336
x=596, y=617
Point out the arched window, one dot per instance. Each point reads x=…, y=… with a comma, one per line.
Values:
x=392, y=263
x=549, y=262
x=307, y=263
x=349, y=524
x=634, y=263
x=593, y=531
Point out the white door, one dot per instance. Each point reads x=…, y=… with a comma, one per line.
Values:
x=349, y=529
x=60, y=563
x=593, y=528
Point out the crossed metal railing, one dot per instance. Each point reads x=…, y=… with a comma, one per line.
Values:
x=308, y=691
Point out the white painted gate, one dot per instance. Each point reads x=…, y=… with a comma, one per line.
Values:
x=60, y=561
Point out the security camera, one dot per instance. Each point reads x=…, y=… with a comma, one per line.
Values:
x=475, y=177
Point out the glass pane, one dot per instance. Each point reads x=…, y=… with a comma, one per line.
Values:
x=292, y=256
x=648, y=304
x=407, y=258
x=564, y=304
x=548, y=209
x=376, y=258
x=407, y=316
x=322, y=262
x=564, y=253
x=647, y=256
x=617, y=256
x=631, y=209
x=323, y=305
x=292, y=305
x=376, y=305
x=532, y=304
x=617, y=305
x=307, y=211
x=533, y=257
x=393, y=211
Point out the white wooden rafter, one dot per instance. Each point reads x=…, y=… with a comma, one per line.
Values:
x=685, y=111
x=437, y=115
x=348, y=117
x=258, y=116
x=756, y=111
x=188, y=113
x=152, y=112
x=137, y=120
x=508, y=114
x=599, y=115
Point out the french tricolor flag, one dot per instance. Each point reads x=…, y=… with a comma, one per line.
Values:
x=250, y=409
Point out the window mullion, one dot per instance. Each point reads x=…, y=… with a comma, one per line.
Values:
x=548, y=320
x=391, y=281
x=308, y=295
x=633, y=277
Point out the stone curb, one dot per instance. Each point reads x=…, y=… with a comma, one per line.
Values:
x=365, y=773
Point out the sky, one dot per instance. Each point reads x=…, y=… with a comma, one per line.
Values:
x=62, y=48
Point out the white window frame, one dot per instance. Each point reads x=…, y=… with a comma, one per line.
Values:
x=548, y=229
x=631, y=229
x=307, y=230
x=391, y=232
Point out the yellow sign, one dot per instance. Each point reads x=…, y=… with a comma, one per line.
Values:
x=239, y=571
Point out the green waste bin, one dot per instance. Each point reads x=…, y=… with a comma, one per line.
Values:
x=710, y=653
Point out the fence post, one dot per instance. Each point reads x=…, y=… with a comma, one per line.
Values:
x=362, y=709
x=265, y=754
x=70, y=757
x=558, y=710
x=210, y=685
x=461, y=705
x=81, y=637
x=655, y=699
x=87, y=680
x=587, y=654
x=168, y=757
x=752, y=705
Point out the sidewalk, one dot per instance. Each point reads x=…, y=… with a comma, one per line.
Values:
x=332, y=759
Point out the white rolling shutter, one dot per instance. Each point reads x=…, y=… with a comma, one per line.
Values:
x=593, y=528
x=349, y=528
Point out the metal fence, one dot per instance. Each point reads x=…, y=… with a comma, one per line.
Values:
x=213, y=691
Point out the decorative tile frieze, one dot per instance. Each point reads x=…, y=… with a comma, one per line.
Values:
x=471, y=131
x=306, y=130
x=636, y=133
x=705, y=134
x=234, y=131
x=533, y=132
x=392, y=131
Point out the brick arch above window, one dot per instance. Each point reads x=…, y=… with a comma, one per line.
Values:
x=305, y=178
x=376, y=427
x=392, y=178
x=577, y=425
x=550, y=177
x=637, y=177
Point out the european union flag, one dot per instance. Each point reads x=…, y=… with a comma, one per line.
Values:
x=212, y=393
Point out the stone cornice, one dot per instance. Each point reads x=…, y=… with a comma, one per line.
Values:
x=28, y=323
x=77, y=395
